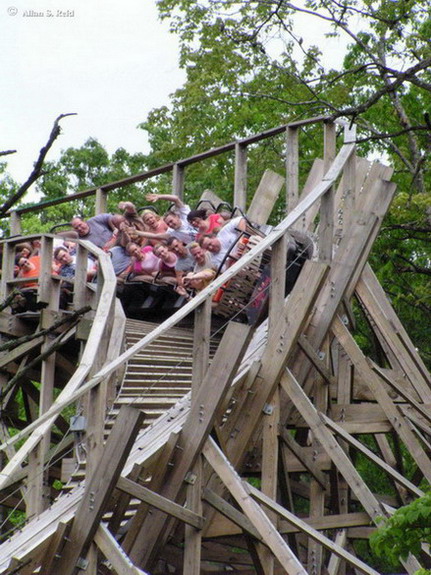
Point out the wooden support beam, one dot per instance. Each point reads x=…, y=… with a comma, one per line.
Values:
x=231, y=513
x=292, y=168
x=317, y=360
x=98, y=490
x=54, y=547
x=265, y=196
x=114, y=553
x=392, y=412
x=324, y=523
x=238, y=432
x=308, y=461
x=101, y=206
x=393, y=473
x=178, y=180
x=330, y=445
x=309, y=531
x=326, y=222
x=268, y=532
x=269, y=473
x=421, y=408
x=201, y=343
x=155, y=500
x=390, y=329
x=162, y=461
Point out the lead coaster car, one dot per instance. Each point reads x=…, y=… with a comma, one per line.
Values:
x=244, y=298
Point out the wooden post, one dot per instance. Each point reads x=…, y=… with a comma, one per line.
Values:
x=101, y=201
x=8, y=264
x=80, y=290
x=317, y=491
x=15, y=224
x=98, y=490
x=240, y=183
x=270, y=468
x=292, y=167
x=193, y=536
x=201, y=343
x=178, y=179
x=49, y=290
x=326, y=224
x=278, y=280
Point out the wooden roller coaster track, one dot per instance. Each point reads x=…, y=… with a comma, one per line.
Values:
x=200, y=445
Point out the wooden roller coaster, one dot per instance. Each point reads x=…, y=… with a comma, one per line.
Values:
x=208, y=443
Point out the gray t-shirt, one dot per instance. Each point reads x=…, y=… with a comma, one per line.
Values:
x=100, y=231
x=120, y=259
x=185, y=264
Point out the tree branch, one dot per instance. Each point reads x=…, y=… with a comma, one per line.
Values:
x=37, y=170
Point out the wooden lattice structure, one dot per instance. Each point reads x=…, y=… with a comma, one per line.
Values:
x=179, y=419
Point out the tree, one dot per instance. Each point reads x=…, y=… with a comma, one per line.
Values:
x=405, y=531
x=248, y=70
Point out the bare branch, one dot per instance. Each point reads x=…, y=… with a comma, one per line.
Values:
x=37, y=170
x=7, y=152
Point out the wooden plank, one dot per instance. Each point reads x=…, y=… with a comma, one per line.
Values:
x=314, y=177
x=317, y=360
x=98, y=489
x=269, y=472
x=422, y=408
x=324, y=523
x=267, y=531
x=326, y=220
x=159, y=502
x=16, y=353
x=178, y=180
x=309, y=531
x=155, y=483
x=114, y=553
x=278, y=280
x=265, y=197
x=101, y=203
x=335, y=560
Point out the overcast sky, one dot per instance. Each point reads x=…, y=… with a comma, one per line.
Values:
x=109, y=62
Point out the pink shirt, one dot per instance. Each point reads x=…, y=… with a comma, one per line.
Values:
x=149, y=264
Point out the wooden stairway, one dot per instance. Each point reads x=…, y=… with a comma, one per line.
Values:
x=155, y=379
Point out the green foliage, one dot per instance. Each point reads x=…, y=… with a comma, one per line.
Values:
x=405, y=531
